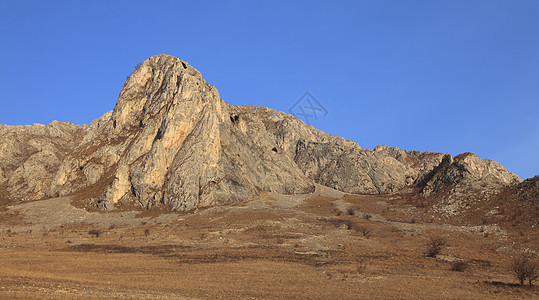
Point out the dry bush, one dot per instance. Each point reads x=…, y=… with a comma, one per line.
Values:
x=435, y=245
x=367, y=216
x=95, y=232
x=146, y=232
x=459, y=265
x=364, y=230
x=525, y=267
x=350, y=211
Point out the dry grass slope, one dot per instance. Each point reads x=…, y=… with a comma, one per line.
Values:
x=271, y=247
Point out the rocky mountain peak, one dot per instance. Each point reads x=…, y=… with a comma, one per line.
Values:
x=156, y=88
x=172, y=141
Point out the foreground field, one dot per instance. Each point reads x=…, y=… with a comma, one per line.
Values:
x=327, y=245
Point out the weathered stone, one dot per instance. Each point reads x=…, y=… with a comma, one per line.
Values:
x=466, y=179
x=171, y=140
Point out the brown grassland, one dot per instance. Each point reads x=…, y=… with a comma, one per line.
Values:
x=323, y=246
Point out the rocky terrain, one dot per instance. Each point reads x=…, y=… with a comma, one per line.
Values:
x=517, y=205
x=172, y=141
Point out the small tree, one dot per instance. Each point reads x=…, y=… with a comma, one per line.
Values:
x=525, y=267
x=435, y=245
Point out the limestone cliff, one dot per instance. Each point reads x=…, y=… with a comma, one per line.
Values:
x=171, y=140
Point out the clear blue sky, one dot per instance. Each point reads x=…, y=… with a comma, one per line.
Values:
x=447, y=76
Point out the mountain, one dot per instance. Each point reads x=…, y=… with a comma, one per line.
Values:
x=171, y=140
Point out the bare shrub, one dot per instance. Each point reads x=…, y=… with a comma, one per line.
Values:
x=525, y=267
x=95, y=232
x=146, y=232
x=364, y=230
x=350, y=211
x=367, y=216
x=459, y=265
x=435, y=245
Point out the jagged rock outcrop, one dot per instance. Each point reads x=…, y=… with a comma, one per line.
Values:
x=171, y=140
x=31, y=155
x=355, y=170
x=465, y=179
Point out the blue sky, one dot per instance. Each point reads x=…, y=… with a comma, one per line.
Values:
x=446, y=76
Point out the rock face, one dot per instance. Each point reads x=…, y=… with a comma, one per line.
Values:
x=172, y=141
x=30, y=157
x=351, y=169
x=465, y=179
